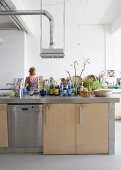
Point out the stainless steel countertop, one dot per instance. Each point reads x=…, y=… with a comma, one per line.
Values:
x=57, y=99
x=115, y=91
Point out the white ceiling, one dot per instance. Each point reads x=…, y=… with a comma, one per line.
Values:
x=81, y=11
x=88, y=11
x=6, y=22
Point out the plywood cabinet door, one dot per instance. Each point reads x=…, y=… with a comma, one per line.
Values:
x=59, y=129
x=3, y=126
x=92, y=128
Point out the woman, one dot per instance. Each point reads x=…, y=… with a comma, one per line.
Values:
x=31, y=82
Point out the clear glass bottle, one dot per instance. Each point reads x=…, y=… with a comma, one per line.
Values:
x=61, y=88
x=46, y=87
x=64, y=91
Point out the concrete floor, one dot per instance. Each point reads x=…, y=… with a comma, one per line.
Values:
x=64, y=162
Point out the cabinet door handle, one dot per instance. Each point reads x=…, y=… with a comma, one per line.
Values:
x=24, y=108
x=46, y=115
x=81, y=115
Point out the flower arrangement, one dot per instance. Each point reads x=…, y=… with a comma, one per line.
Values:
x=74, y=65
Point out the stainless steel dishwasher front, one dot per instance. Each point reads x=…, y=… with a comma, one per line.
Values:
x=25, y=125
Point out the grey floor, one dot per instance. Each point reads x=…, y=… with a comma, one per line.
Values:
x=64, y=162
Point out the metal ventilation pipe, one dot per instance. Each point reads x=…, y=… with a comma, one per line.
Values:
x=34, y=12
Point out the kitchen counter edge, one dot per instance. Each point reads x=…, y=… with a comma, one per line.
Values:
x=37, y=99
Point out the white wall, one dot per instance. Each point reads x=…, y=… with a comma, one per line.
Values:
x=112, y=52
x=32, y=52
x=116, y=24
x=11, y=56
x=81, y=41
x=116, y=52
x=32, y=41
x=84, y=41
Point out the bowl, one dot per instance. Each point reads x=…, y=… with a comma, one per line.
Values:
x=84, y=93
x=102, y=92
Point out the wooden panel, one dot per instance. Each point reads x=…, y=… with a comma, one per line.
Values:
x=3, y=126
x=92, y=128
x=59, y=133
x=117, y=107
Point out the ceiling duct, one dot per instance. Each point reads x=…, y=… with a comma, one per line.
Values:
x=11, y=22
x=52, y=53
x=45, y=53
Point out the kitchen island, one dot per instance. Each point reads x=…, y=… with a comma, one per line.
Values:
x=117, y=93
x=70, y=125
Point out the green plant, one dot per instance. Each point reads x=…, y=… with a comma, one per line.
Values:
x=92, y=84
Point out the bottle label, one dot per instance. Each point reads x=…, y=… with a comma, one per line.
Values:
x=56, y=91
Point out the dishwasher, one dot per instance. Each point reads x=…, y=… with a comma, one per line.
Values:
x=25, y=125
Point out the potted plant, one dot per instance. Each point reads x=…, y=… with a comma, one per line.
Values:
x=92, y=82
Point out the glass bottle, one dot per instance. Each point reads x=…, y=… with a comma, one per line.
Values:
x=56, y=91
x=61, y=88
x=81, y=87
x=51, y=89
x=69, y=89
x=46, y=86
x=64, y=91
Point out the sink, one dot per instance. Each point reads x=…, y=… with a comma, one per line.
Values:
x=4, y=94
x=7, y=88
